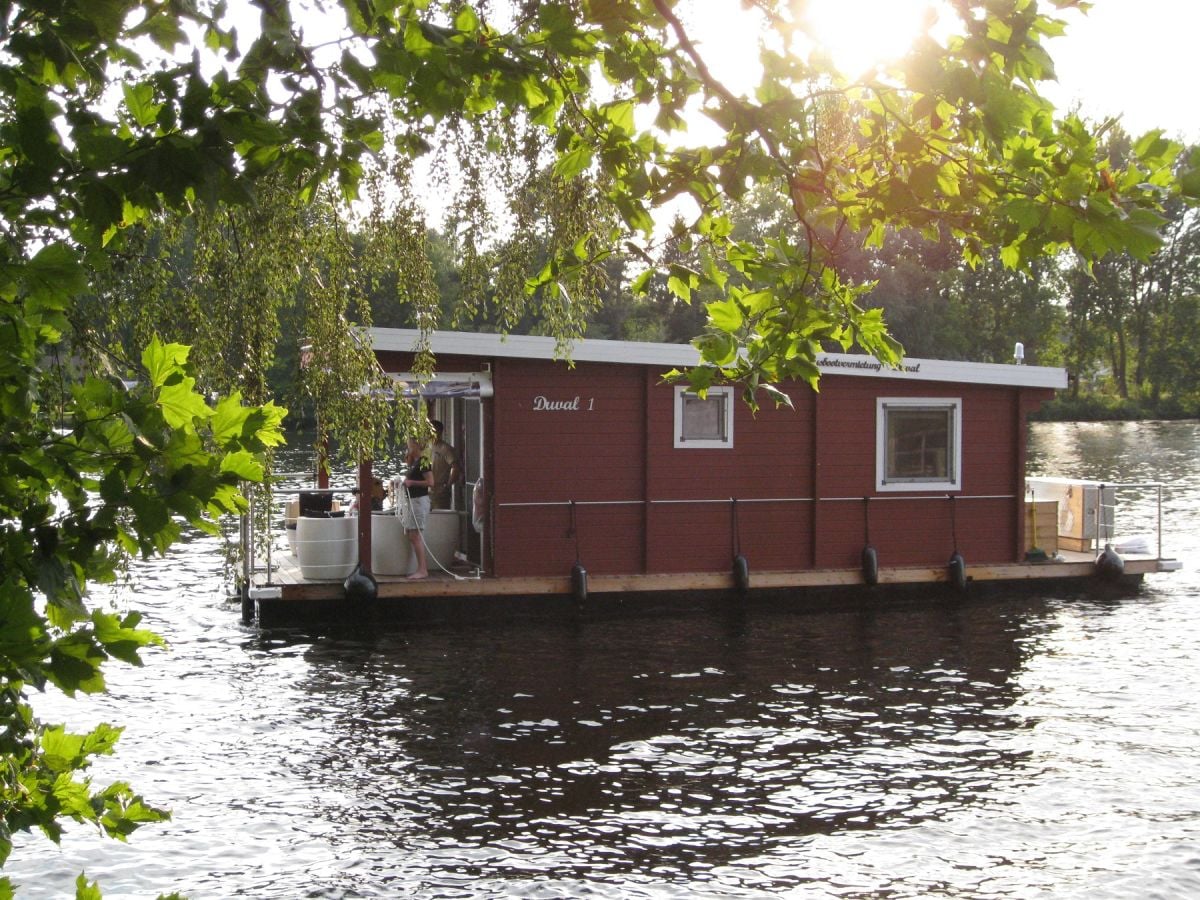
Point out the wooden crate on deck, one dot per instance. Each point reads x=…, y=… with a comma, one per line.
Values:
x=1041, y=526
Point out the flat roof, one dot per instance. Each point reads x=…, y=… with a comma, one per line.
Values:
x=682, y=356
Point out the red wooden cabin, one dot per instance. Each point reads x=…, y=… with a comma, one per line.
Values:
x=602, y=463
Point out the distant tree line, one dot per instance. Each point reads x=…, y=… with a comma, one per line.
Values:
x=1127, y=331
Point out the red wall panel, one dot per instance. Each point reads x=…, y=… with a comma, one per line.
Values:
x=568, y=434
x=602, y=435
x=539, y=540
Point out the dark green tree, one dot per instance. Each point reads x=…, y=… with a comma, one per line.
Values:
x=1123, y=306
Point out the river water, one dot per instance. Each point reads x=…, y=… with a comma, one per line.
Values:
x=1015, y=746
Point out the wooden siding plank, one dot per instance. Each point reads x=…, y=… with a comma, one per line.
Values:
x=621, y=448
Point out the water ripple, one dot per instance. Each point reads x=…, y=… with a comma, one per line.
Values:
x=1017, y=747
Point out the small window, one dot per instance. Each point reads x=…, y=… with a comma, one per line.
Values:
x=919, y=444
x=704, y=421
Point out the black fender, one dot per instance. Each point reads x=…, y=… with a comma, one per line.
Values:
x=741, y=573
x=870, y=566
x=579, y=585
x=361, y=586
x=1109, y=564
x=958, y=571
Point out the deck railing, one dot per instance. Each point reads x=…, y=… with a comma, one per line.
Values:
x=247, y=532
x=1155, y=486
x=1104, y=532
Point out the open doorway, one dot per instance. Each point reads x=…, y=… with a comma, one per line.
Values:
x=457, y=402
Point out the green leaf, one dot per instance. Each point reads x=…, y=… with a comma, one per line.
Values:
x=265, y=425
x=73, y=797
x=712, y=271
x=153, y=520
x=139, y=100
x=102, y=740
x=780, y=398
x=533, y=93
x=415, y=39
x=1010, y=255
x=180, y=403
x=121, y=639
x=85, y=890
x=1189, y=177
x=725, y=315
x=74, y=665
x=61, y=750
x=620, y=114
x=467, y=20
x=679, y=287
x=639, y=284
x=229, y=419
x=54, y=276
x=244, y=465
x=164, y=360
x=1152, y=146
x=573, y=162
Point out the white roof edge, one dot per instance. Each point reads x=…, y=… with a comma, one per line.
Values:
x=679, y=356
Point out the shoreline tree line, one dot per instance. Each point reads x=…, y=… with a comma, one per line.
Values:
x=1127, y=330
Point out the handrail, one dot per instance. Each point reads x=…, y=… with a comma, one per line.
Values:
x=1103, y=530
x=540, y=503
x=882, y=497
x=703, y=500
x=330, y=490
x=1131, y=485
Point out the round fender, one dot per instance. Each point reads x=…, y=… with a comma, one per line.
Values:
x=870, y=566
x=360, y=586
x=741, y=573
x=579, y=587
x=1109, y=564
x=958, y=571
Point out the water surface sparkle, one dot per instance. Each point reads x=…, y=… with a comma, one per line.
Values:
x=1015, y=747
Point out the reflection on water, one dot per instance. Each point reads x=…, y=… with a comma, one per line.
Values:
x=672, y=744
x=1009, y=748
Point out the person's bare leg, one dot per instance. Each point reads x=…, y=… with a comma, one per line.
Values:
x=418, y=546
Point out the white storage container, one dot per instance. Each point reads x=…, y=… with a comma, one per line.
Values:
x=327, y=549
x=1086, y=510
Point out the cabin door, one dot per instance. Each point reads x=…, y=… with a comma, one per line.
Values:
x=472, y=460
x=463, y=421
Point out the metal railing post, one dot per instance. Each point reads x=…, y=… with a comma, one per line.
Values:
x=1159, y=541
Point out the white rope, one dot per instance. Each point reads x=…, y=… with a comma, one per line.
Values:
x=428, y=552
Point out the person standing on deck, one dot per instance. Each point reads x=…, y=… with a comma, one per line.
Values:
x=446, y=469
x=418, y=482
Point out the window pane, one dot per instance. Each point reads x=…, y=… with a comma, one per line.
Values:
x=703, y=419
x=920, y=444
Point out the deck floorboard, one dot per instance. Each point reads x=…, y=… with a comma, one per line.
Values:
x=286, y=576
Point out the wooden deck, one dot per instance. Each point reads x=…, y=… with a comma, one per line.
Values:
x=287, y=595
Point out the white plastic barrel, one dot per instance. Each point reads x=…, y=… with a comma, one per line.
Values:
x=326, y=548
x=391, y=553
x=441, y=537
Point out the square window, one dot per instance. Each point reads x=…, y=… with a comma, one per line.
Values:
x=704, y=421
x=918, y=444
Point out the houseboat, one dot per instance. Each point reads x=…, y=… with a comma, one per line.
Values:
x=596, y=479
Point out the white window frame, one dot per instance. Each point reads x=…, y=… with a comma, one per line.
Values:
x=727, y=392
x=882, y=405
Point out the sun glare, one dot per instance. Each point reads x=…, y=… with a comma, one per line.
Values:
x=859, y=35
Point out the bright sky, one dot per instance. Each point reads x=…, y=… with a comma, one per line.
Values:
x=1133, y=58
